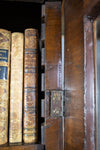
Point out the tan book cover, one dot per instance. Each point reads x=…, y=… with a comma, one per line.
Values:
x=5, y=37
x=16, y=88
x=30, y=86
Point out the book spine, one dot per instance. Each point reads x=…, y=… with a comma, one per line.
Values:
x=4, y=83
x=16, y=88
x=30, y=86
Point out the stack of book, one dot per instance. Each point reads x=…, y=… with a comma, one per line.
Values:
x=18, y=86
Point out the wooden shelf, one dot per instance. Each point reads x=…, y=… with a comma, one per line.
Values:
x=22, y=147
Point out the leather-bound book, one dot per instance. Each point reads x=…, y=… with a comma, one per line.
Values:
x=30, y=86
x=5, y=37
x=16, y=88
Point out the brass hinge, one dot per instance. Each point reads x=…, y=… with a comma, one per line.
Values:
x=54, y=103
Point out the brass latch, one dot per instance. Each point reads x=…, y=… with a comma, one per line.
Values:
x=53, y=103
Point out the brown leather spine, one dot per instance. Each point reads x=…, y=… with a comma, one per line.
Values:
x=30, y=86
x=16, y=88
x=4, y=83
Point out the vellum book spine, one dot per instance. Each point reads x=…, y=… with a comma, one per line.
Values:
x=30, y=86
x=16, y=88
x=5, y=37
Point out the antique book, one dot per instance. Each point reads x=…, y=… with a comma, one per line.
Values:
x=30, y=86
x=16, y=88
x=5, y=37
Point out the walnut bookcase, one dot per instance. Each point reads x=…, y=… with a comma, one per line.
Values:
x=16, y=17
x=22, y=147
x=72, y=127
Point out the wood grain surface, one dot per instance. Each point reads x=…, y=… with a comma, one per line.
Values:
x=74, y=75
x=89, y=85
x=23, y=147
x=79, y=74
x=53, y=62
x=53, y=74
x=91, y=9
x=89, y=5
x=53, y=134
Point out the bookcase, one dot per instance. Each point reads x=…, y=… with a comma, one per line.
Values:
x=66, y=81
x=16, y=16
x=20, y=15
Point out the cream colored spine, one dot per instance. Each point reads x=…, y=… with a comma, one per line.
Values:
x=16, y=88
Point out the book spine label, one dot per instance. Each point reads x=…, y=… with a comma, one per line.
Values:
x=30, y=86
x=4, y=83
x=16, y=88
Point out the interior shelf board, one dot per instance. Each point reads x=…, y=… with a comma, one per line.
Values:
x=21, y=146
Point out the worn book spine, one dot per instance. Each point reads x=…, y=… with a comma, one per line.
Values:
x=5, y=37
x=16, y=88
x=30, y=86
